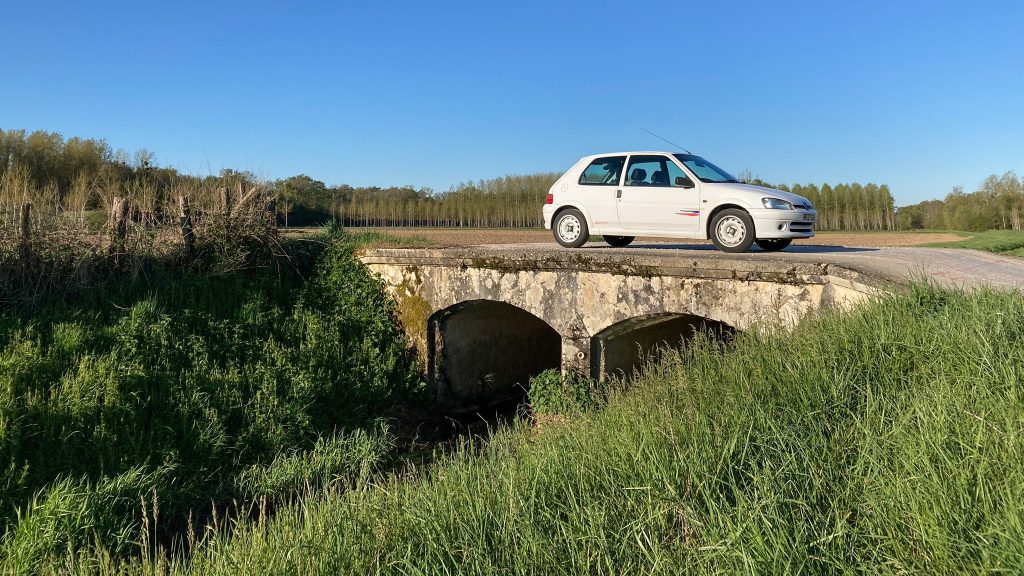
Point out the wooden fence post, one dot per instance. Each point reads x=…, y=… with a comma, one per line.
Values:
x=225, y=200
x=272, y=211
x=187, y=235
x=26, y=220
x=26, y=231
x=119, y=224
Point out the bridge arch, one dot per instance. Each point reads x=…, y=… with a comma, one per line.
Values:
x=623, y=347
x=482, y=352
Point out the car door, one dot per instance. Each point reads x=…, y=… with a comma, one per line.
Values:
x=596, y=191
x=658, y=195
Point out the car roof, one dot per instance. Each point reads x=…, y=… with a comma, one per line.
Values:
x=634, y=152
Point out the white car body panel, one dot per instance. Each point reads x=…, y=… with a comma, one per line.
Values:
x=672, y=211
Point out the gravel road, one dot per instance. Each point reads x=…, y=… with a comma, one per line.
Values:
x=476, y=236
x=946, y=266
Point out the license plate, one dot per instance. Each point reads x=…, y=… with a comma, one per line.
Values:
x=809, y=217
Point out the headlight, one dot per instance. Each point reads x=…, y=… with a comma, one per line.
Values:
x=776, y=203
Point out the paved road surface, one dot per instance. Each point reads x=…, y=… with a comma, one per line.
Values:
x=946, y=266
x=475, y=236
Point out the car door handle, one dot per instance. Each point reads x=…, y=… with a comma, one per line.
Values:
x=618, y=193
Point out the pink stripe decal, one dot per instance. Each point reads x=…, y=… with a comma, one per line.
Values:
x=688, y=213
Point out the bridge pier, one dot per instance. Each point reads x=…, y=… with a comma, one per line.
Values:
x=576, y=355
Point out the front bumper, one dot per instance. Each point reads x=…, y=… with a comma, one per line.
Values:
x=784, y=223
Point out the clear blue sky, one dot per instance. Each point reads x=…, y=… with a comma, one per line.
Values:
x=923, y=96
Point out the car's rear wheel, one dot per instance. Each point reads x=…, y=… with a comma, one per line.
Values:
x=570, y=229
x=773, y=244
x=618, y=241
x=732, y=230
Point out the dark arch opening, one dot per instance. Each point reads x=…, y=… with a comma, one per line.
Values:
x=623, y=348
x=484, y=353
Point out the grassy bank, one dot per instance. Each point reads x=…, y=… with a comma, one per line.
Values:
x=140, y=408
x=999, y=241
x=885, y=441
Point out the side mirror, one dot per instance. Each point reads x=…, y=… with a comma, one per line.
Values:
x=684, y=182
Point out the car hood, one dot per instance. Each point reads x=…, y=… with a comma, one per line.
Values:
x=755, y=193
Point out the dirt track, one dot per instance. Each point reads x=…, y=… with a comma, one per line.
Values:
x=475, y=236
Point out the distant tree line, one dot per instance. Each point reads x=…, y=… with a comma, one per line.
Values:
x=998, y=203
x=77, y=175
x=515, y=201
x=506, y=202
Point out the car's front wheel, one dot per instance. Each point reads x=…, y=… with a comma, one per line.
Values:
x=570, y=229
x=618, y=241
x=773, y=244
x=732, y=230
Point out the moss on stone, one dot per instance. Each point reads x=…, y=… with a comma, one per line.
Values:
x=413, y=313
x=579, y=262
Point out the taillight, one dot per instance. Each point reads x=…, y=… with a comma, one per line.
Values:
x=550, y=200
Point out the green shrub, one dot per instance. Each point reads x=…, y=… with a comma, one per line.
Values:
x=553, y=393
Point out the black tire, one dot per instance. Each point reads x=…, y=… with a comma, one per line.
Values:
x=570, y=228
x=773, y=244
x=732, y=230
x=618, y=241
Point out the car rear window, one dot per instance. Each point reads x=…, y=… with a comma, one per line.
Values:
x=603, y=171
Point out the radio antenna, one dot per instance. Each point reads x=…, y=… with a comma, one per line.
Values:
x=665, y=139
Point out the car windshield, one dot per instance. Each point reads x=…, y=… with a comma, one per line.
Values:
x=706, y=171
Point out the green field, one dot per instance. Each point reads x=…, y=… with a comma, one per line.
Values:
x=259, y=423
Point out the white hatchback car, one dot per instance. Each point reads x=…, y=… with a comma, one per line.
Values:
x=627, y=194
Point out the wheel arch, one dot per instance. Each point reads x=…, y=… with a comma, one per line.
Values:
x=564, y=207
x=726, y=206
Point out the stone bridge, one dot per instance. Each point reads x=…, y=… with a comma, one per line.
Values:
x=485, y=319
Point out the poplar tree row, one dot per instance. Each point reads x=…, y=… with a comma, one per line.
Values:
x=515, y=201
x=507, y=202
x=848, y=206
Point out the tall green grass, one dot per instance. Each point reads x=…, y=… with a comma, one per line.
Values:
x=184, y=394
x=884, y=441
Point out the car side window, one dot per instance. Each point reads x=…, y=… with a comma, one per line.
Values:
x=677, y=178
x=603, y=171
x=655, y=171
